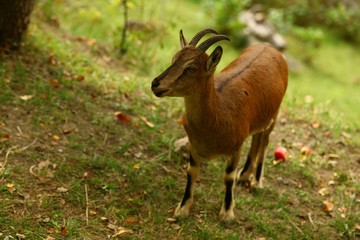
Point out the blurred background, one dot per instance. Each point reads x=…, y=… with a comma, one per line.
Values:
x=320, y=38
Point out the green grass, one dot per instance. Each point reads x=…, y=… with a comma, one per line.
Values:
x=128, y=174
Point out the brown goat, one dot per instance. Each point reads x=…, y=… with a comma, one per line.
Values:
x=222, y=110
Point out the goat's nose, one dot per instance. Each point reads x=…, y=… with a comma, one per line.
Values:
x=155, y=84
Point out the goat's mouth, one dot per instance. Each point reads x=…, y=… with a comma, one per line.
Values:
x=160, y=93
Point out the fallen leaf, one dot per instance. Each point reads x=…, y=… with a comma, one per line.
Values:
x=111, y=226
x=149, y=124
x=333, y=156
x=171, y=220
x=63, y=231
x=80, y=78
x=328, y=206
x=54, y=83
x=136, y=166
x=131, y=220
x=323, y=191
x=5, y=137
x=92, y=212
x=49, y=238
x=62, y=190
x=122, y=117
x=52, y=60
x=121, y=231
x=315, y=124
x=20, y=236
x=26, y=97
x=11, y=187
x=175, y=226
x=67, y=131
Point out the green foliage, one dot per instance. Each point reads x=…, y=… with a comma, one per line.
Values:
x=225, y=16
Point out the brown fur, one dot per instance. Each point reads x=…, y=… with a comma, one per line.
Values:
x=222, y=110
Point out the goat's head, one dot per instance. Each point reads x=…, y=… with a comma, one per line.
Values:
x=189, y=64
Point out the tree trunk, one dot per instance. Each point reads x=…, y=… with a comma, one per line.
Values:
x=14, y=19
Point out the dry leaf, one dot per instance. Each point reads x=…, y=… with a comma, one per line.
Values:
x=122, y=117
x=55, y=137
x=333, y=156
x=136, y=166
x=62, y=190
x=67, y=131
x=121, y=231
x=315, y=124
x=92, y=212
x=26, y=97
x=149, y=124
x=131, y=220
x=11, y=187
x=54, y=83
x=80, y=78
x=171, y=220
x=328, y=206
x=111, y=226
x=63, y=231
x=5, y=137
x=52, y=60
x=20, y=236
x=324, y=191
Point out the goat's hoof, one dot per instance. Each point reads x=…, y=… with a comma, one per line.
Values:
x=227, y=217
x=181, y=211
x=244, y=183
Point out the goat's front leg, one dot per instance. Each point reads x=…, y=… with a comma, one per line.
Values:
x=227, y=209
x=193, y=172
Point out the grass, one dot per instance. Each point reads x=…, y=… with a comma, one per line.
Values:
x=70, y=169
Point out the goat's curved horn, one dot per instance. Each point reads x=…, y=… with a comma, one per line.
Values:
x=208, y=42
x=200, y=34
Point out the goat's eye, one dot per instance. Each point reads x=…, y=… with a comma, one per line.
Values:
x=191, y=69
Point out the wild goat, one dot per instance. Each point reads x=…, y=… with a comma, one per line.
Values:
x=222, y=110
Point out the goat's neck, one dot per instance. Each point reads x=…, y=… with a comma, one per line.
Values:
x=202, y=105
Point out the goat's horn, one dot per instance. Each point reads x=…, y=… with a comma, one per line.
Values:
x=200, y=34
x=210, y=41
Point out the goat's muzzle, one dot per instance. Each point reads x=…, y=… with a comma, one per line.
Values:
x=155, y=88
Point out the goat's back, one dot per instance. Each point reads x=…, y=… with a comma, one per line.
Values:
x=255, y=84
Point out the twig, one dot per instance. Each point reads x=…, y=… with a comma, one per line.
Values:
x=26, y=147
x=310, y=219
x=297, y=228
x=32, y=172
x=87, y=204
x=19, y=129
x=7, y=156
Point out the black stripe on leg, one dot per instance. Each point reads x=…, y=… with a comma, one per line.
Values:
x=187, y=193
x=192, y=161
x=247, y=165
x=228, y=194
x=258, y=171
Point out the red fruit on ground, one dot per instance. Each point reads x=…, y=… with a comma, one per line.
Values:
x=280, y=153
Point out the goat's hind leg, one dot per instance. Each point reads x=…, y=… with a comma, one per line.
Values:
x=264, y=143
x=246, y=172
x=193, y=172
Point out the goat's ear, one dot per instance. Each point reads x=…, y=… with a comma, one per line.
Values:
x=214, y=58
x=183, y=42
